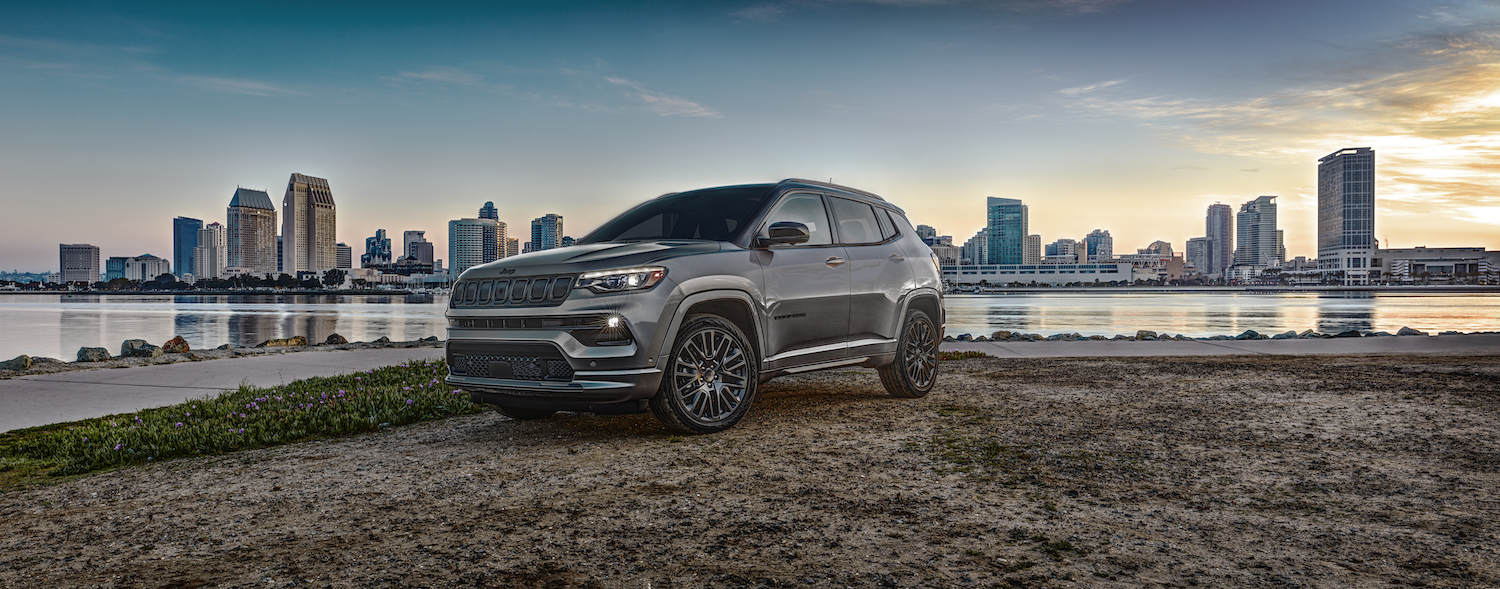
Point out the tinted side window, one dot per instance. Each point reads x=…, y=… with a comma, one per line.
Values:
x=887, y=227
x=857, y=222
x=806, y=209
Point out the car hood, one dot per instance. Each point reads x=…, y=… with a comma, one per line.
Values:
x=590, y=257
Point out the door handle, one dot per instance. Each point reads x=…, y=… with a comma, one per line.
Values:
x=898, y=258
x=834, y=261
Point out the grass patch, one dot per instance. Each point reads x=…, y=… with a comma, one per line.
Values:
x=243, y=419
x=961, y=355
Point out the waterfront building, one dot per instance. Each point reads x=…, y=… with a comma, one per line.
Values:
x=927, y=233
x=947, y=254
x=488, y=212
x=408, y=238
x=977, y=248
x=1257, y=241
x=1006, y=219
x=1346, y=214
x=568, y=241
x=308, y=226
x=1155, y=266
x=280, y=251
x=1220, y=230
x=146, y=267
x=1031, y=250
x=1427, y=265
x=251, y=232
x=512, y=247
x=114, y=268
x=1052, y=274
x=77, y=262
x=377, y=250
x=546, y=232
x=1200, y=254
x=1157, y=248
x=1061, y=251
x=184, y=239
x=1097, y=246
x=344, y=255
x=211, y=256
x=466, y=240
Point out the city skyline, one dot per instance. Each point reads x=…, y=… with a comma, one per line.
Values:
x=1127, y=116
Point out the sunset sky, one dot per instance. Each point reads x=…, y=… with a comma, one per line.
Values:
x=1131, y=116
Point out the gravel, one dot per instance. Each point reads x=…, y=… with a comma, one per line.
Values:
x=1115, y=472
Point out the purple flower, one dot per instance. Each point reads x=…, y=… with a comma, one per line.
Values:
x=406, y=388
x=408, y=401
x=190, y=415
x=358, y=378
x=242, y=430
x=242, y=415
x=117, y=446
x=179, y=424
x=85, y=439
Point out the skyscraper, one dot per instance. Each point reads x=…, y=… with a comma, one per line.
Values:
x=488, y=211
x=1006, y=220
x=501, y=237
x=1062, y=250
x=546, y=232
x=1031, y=252
x=1346, y=213
x=251, y=232
x=1098, y=246
x=977, y=249
x=308, y=226
x=184, y=239
x=512, y=247
x=466, y=239
x=1220, y=230
x=344, y=255
x=146, y=268
x=78, y=262
x=377, y=250
x=1200, y=251
x=1256, y=241
x=212, y=253
x=114, y=267
x=408, y=238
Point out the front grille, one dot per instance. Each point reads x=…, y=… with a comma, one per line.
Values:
x=515, y=361
x=532, y=291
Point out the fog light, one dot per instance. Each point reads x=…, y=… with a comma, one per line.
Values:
x=613, y=322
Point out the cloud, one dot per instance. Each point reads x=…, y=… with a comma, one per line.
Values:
x=234, y=86
x=1081, y=90
x=442, y=75
x=1190, y=167
x=1251, y=170
x=665, y=104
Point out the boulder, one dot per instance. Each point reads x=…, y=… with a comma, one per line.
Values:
x=223, y=347
x=1451, y=333
x=1248, y=334
x=1409, y=331
x=1287, y=335
x=948, y=338
x=1350, y=333
x=22, y=362
x=1379, y=334
x=981, y=339
x=1144, y=334
x=386, y=340
x=297, y=340
x=1054, y=337
x=335, y=340
x=138, y=348
x=1097, y=338
x=430, y=338
x=999, y=335
x=1307, y=333
x=176, y=345
x=93, y=355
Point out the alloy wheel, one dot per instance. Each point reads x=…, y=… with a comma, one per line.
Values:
x=711, y=373
x=920, y=353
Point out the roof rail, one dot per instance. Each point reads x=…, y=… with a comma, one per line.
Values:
x=834, y=186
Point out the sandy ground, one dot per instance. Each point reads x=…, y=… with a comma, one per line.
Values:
x=1117, y=472
x=42, y=365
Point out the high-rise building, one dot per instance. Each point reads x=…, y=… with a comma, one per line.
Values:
x=1256, y=241
x=146, y=268
x=488, y=212
x=345, y=255
x=502, y=238
x=1346, y=214
x=1220, y=230
x=212, y=254
x=377, y=250
x=408, y=238
x=184, y=239
x=308, y=226
x=977, y=249
x=114, y=268
x=251, y=232
x=1200, y=251
x=546, y=232
x=512, y=247
x=1031, y=252
x=466, y=239
x=926, y=233
x=568, y=241
x=1062, y=250
x=1098, y=246
x=77, y=262
x=1007, y=223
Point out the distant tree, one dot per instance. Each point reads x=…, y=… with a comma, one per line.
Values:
x=359, y=282
x=285, y=281
x=333, y=278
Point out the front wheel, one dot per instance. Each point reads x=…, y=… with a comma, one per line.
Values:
x=710, y=380
x=914, y=371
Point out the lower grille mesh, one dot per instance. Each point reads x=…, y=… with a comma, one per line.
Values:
x=520, y=367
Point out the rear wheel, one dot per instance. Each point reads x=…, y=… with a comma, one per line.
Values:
x=710, y=380
x=915, y=369
x=521, y=414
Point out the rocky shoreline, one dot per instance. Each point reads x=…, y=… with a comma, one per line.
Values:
x=1148, y=335
x=137, y=352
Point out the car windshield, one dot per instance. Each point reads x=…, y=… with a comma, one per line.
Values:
x=716, y=214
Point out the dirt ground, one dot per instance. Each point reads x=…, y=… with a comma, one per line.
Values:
x=1112, y=472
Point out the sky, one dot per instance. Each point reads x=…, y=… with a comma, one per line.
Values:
x=1129, y=116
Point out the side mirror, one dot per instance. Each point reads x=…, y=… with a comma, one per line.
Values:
x=785, y=233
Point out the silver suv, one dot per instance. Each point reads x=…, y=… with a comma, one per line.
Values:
x=685, y=303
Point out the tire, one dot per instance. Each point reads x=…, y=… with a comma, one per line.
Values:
x=915, y=369
x=520, y=414
x=711, y=377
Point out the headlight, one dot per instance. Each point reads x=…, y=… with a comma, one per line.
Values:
x=621, y=280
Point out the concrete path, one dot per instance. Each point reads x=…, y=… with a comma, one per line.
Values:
x=1447, y=345
x=69, y=396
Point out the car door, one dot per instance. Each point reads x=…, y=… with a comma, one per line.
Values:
x=806, y=287
x=879, y=275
